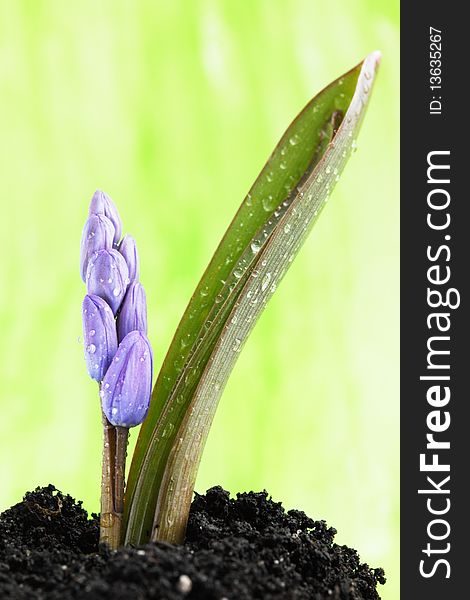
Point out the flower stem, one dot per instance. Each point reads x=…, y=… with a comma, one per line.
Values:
x=112, y=483
x=122, y=437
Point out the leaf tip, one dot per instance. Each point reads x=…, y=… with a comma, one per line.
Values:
x=376, y=58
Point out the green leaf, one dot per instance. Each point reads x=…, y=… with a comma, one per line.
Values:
x=255, y=252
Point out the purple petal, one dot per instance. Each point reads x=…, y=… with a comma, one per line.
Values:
x=133, y=313
x=101, y=204
x=98, y=234
x=128, y=249
x=108, y=277
x=127, y=384
x=99, y=335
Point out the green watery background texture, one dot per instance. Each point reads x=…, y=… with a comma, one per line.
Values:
x=173, y=108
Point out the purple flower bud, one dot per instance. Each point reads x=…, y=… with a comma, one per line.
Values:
x=99, y=334
x=98, y=234
x=133, y=313
x=128, y=249
x=108, y=277
x=101, y=204
x=127, y=384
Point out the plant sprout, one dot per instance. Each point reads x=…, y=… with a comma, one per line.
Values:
x=258, y=247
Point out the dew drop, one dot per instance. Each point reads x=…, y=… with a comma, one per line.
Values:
x=294, y=140
x=236, y=345
x=91, y=349
x=287, y=228
x=116, y=292
x=255, y=247
x=268, y=203
x=283, y=165
x=92, y=332
x=266, y=280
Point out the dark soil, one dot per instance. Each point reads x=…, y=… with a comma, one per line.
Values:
x=235, y=550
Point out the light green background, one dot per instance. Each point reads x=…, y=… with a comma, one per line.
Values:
x=173, y=107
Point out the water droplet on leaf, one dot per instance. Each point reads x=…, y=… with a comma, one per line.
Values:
x=266, y=280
